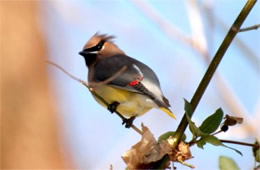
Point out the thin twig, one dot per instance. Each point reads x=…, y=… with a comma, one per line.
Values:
x=248, y=53
x=227, y=93
x=162, y=23
x=169, y=29
x=196, y=24
x=240, y=143
x=118, y=73
x=254, y=27
x=67, y=73
x=93, y=92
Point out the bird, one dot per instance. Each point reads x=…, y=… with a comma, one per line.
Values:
x=128, y=85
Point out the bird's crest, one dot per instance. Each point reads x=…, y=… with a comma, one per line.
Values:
x=95, y=39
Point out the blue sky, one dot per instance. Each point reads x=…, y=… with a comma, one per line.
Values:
x=95, y=138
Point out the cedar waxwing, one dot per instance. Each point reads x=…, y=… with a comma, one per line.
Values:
x=133, y=88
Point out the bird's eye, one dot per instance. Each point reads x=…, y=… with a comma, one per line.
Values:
x=96, y=48
x=100, y=45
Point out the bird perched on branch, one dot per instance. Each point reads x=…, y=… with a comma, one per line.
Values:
x=128, y=85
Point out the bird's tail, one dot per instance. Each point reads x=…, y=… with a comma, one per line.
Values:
x=168, y=111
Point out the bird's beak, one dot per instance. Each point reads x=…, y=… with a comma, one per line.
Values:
x=83, y=53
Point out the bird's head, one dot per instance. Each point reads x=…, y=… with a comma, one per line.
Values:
x=99, y=46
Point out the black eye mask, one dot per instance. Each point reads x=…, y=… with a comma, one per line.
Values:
x=97, y=47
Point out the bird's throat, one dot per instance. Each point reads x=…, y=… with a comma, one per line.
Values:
x=90, y=59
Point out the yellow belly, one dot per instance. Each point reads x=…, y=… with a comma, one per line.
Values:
x=131, y=104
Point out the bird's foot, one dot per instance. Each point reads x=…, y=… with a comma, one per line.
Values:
x=128, y=122
x=112, y=107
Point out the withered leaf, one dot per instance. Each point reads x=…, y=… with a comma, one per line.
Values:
x=146, y=151
x=232, y=120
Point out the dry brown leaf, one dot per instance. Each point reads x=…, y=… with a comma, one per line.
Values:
x=147, y=151
x=231, y=120
x=182, y=153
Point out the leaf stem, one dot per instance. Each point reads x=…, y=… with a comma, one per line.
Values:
x=212, y=67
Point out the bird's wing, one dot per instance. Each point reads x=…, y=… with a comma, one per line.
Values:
x=129, y=78
x=137, y=77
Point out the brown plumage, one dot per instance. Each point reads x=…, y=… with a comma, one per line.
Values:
x=109, y=47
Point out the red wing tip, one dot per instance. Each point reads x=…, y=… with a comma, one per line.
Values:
x=135, y=82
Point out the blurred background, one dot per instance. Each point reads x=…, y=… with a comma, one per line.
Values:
x=50, y=121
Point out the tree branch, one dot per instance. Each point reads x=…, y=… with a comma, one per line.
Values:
x=212, y=67
x=240, y=143
x=254, y=27
x=93, y=92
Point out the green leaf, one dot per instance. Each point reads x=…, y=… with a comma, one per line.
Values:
x=237, y=151
x=168, y=134
x=256, y=152
x=201, y=143
x=187, y=107
x=209, y=139
x=214, y=141
x=211, y=124
x=193, y=128
x=226, y=163
x=257, y=157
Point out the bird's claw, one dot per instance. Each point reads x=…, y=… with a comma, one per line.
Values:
x=112, y=107
x=128, y=122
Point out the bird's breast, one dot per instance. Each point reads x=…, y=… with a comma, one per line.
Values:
x=131, y=103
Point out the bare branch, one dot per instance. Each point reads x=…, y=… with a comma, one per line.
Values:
x=254, y=27
x=240, y=143
x=94, y=84
x=166, y=26
x=198, y=34
x=67, y=73
x=248, y=53
x=93, y=92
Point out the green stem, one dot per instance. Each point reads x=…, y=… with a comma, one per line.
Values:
x=213, y=66
x=211, y=70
